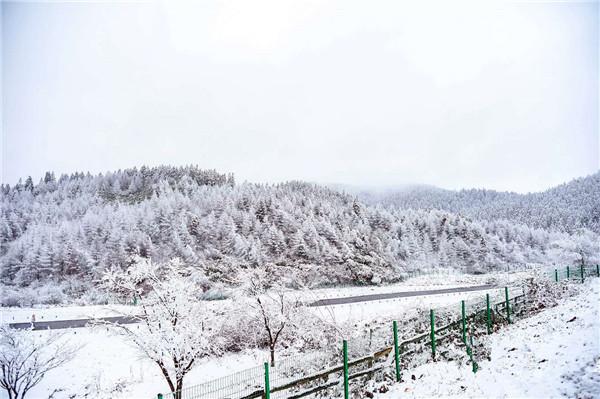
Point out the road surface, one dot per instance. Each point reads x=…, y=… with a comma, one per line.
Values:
x=390, y=295
x=75, y=323
x=78, y=323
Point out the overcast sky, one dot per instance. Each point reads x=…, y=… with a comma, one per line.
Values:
x=501, y=95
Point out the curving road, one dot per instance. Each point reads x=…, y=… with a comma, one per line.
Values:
x=79, y=323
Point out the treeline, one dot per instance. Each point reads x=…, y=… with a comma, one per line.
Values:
x=566, y=208
x=81, y=225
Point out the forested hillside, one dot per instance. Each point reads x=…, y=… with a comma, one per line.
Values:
x=80, y=225
x=567, y=208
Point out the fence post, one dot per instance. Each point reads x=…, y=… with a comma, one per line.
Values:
x=568, y=272
x=432, y=321
x=464, y=321
x=488, y=315
x=582, y=271
x=556, y=275
x=507, y=304
x=267, y=385
x=474, y=364
x=396, y=351
x=597, y=270
x=346, y=387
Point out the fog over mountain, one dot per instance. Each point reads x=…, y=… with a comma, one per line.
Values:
x=567, y=207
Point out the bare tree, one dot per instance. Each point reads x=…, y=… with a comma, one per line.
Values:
x=25, y=360
x=275, y=308
x=176, y=329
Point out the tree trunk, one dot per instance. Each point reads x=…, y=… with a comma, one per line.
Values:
x=167, y=377
x=272, y=356
x=178, y=393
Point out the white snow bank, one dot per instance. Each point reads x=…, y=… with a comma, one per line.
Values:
x=552, y=354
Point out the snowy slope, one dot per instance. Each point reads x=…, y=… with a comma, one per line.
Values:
x=545, y=356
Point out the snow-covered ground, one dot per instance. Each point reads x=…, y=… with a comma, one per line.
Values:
x=106, y=363
x=553, y=354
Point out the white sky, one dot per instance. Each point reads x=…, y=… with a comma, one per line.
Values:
x=501, y=95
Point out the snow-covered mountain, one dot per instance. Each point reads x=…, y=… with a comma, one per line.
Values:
x=80, y=225
x=566, y=208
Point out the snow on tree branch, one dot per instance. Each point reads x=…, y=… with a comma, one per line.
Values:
x=175, y=328
x=25, y=359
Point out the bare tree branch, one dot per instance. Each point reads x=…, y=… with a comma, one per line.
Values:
x=25, y=360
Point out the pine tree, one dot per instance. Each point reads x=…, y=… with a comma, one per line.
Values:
x=28, y=184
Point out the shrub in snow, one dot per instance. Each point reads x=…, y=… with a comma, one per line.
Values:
x=51, y=295
x=16, y=296
x=54, y=293
x=215, y=294
x=265, y=316
x=25, y=359
x=543, y=292
x=9, y=297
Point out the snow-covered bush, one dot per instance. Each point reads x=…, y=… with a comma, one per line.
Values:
x=12, y=296
x=45, y=294
x=54, y=293
x=273, y=318
x=543, y=292
x=215, y=294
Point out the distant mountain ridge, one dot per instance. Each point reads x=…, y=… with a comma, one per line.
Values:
x=567, y=207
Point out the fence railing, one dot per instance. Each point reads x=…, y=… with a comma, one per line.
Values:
x=300, y=376
x=575, y=272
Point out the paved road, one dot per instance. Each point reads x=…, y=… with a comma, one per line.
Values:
x=78, y=323
x=390, y=295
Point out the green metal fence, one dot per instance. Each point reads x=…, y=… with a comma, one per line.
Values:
x=294, y=368
x=433, y=334
x=577, y=272
x=238, y=385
